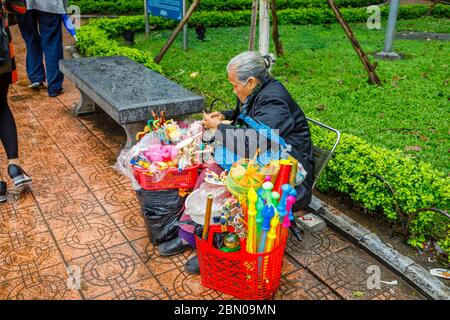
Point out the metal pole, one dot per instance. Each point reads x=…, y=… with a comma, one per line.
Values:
x=185, y=29
x=387, y=52
x=147, y=25
x=392, y=20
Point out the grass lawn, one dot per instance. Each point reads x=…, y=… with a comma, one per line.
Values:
x=411, y=111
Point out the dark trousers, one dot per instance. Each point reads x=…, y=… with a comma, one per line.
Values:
x=8, y=130
x=42, y=33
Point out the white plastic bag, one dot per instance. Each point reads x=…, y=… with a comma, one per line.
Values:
x=124, y=166
x=196, y=202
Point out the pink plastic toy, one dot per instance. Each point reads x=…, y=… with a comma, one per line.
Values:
x=159, y=153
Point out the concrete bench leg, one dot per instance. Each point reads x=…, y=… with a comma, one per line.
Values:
x=84, y=106
x=131, y=129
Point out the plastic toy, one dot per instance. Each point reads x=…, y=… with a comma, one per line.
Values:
x=140, y=162
x=282, y=208
x=259, y=217
x=286, y=221
x=231, y=243
x=283, y=175
x=272, y=235
x=268, y=214
x=251, y=226
x=158, y=153
x=268, y=186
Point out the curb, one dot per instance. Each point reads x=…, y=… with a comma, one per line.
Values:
x=405, y=267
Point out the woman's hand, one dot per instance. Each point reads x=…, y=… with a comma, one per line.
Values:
x=217, y=114
x=212, y=120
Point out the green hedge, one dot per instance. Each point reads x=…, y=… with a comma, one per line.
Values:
x=114, y=27
x=94, y=41
x=417, y=186
x=137, y=6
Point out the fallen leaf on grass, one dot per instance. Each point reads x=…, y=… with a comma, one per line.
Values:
x=413, y=148
x=321, y=107
x=194, y=75
x=423, y=138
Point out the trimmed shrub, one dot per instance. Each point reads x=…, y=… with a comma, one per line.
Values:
x=353, y=170
x=137, y=6
x=96, y=42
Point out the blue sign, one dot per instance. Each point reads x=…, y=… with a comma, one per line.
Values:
x=171, y=9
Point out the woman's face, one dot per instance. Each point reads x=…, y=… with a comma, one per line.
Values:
x=241, y=90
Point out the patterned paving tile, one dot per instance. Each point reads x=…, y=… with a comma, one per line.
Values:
x=131, y=223
x=50, y=187
x=40, y=284
x=297, y=283
x=112, y=269
x=315, y=246
x=148, y=289
x=15, y=223
x=85, y=236
x=180, y=285
x=26, y=254
x=102, y=176
x=117, y=197
x=158, y=264
x=68, y=210
x=347, y=273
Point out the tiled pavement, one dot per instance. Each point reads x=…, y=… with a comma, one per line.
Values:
x=83, y=216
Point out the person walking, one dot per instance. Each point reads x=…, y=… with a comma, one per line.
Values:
x=41, y=28
x=8, y=75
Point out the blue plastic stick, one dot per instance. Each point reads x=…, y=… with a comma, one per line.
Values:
x=286, y=188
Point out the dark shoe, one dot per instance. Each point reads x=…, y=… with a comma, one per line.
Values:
x=192, y=266
x=36, y=85
x=2, y=191
x=57, y=93
x=18, y=176
x=173, y=247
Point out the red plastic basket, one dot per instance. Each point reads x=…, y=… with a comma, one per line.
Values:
x=173, y=179
x=241, y=274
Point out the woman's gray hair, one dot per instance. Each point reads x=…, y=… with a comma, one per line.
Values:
x=251, y=64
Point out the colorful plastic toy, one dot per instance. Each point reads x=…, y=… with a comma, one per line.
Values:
x=286, y=221
x=283, y=175
x=159, y=153
x=251, y=225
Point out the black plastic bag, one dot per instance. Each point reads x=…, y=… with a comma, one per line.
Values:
x=161, y=210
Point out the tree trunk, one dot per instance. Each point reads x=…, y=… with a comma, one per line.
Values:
x=275, y=33
x=251, y=44
x=174, y=34
x=264, y=27
x=373, y=78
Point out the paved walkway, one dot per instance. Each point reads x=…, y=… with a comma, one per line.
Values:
x=82, y=214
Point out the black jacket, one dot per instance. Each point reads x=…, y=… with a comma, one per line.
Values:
x=273, y=105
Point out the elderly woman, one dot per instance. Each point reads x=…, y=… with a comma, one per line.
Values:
x=266, y=100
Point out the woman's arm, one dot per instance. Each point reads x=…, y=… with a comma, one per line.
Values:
x=272, y=112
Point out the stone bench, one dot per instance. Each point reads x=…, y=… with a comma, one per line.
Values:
x=128, y=92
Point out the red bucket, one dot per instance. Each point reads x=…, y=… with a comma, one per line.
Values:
x=249, y=276
x=174, y=179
